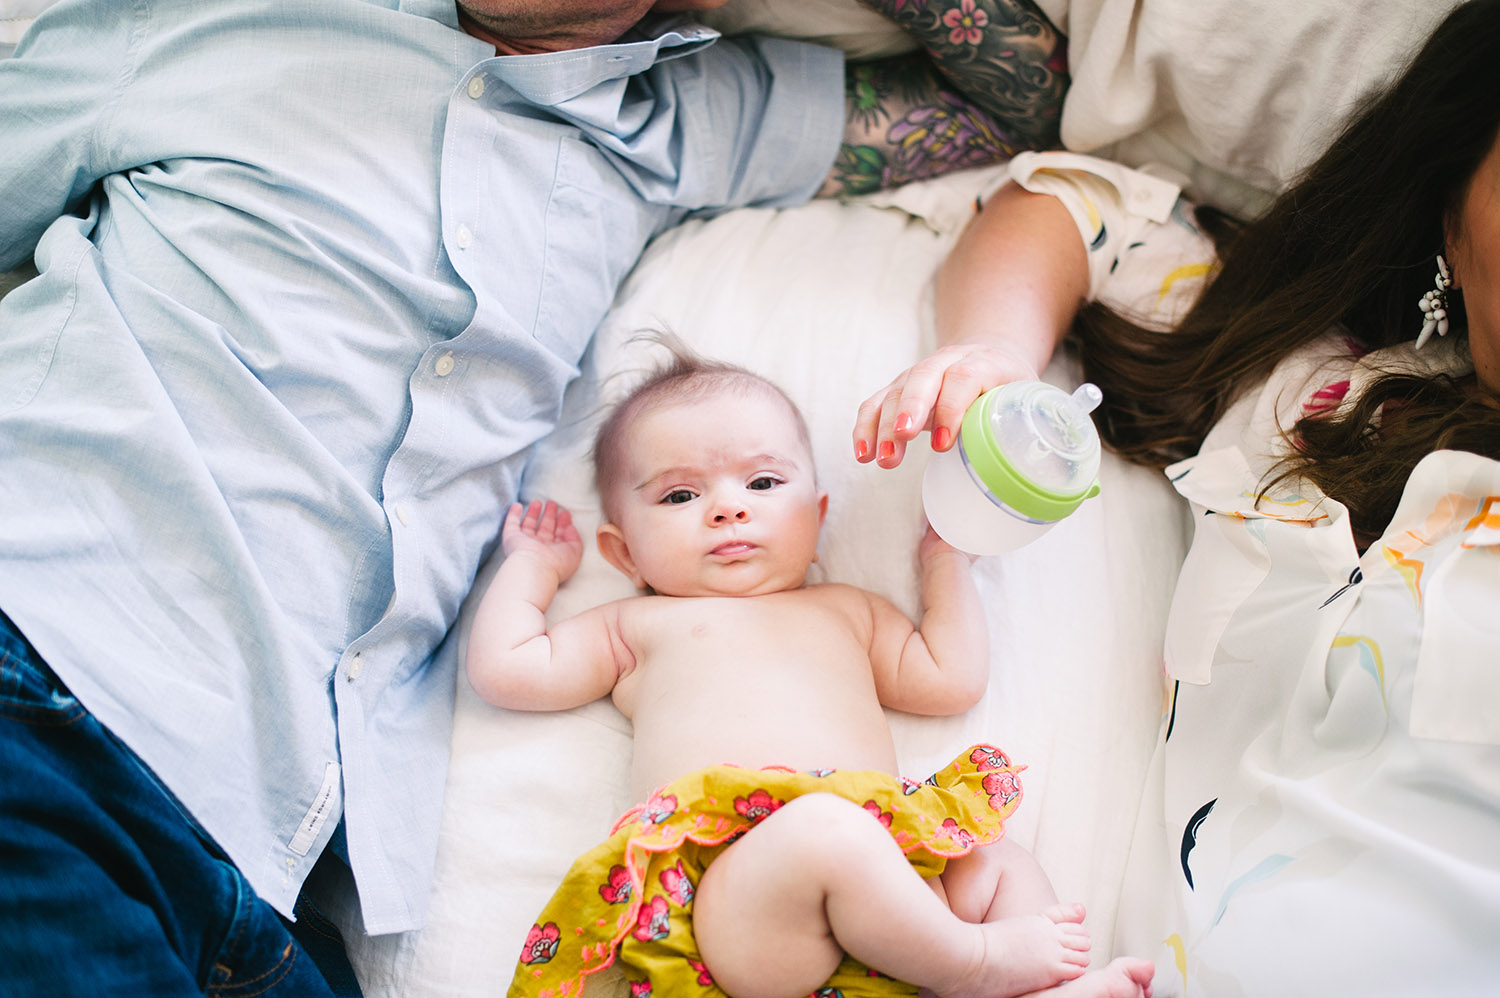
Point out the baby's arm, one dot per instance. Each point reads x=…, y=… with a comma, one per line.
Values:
x=942, y=665
x=513, y=659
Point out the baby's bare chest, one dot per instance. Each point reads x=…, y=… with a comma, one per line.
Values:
x=750, y=651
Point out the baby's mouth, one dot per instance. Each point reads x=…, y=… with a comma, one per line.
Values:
x=733, y=549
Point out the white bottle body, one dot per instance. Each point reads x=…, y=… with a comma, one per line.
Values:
x=965, y=516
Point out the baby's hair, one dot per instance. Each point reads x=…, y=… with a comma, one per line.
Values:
x=685, y=376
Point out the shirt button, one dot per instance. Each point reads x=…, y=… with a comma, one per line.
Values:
x=356, y=666
x=401, y=514
x=1142, y=195
x=476, y=87
x=444, y=365
x=463, y=237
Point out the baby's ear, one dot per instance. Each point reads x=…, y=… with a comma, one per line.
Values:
x=612, y=545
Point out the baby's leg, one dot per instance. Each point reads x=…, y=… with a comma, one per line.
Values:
x=1004, y=883
x=775, y=913
x=999, y=881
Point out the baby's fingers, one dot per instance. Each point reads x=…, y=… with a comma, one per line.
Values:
x=513, y=520
x=531, y=517
x=546, y=522
x=554, y=523
x=566, y=531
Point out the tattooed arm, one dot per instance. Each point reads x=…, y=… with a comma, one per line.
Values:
x=992, y=84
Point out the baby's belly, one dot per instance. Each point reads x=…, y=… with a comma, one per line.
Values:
x=842, y=736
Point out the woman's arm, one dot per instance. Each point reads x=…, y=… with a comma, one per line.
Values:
x=1005, y=298
x=988, y=83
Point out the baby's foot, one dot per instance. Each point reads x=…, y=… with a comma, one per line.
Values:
x=1028, y=953
x=1123, y=977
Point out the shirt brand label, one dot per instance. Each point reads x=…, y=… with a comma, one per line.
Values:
x=322, y=805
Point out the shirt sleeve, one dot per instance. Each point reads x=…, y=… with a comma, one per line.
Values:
x=56, y=92
x=1146, y=254
x=761, y=119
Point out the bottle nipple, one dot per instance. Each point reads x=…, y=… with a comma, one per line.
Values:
x=1087, y=397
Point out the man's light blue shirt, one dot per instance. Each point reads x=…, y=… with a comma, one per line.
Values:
x=321, y=275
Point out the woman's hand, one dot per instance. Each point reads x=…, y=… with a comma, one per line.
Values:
x=933, y=395
x=1003, y=300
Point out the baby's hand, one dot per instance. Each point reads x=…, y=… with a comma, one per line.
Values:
x=932, y=545
x=932, y=395
x=546, y=530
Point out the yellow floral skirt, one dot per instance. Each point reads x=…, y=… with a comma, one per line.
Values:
x=630, y=899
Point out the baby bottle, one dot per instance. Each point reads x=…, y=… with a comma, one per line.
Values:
x=1027, y=455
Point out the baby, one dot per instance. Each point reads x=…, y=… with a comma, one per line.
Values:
x=790, y=859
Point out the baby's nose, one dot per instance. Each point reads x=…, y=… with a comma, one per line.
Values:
x=727, y=513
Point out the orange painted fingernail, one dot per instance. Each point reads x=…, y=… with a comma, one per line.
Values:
x=940, y=438
x=861, y=450
x=903, y=423
x=887, y=450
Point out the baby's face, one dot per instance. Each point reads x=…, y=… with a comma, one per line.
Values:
x=717, y=498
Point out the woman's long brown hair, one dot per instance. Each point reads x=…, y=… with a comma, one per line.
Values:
x=1351, y=243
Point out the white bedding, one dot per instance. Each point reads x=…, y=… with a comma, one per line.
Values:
x=830, y=301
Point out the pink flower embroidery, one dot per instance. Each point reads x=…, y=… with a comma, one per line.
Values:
x=640, y=989
x=758, y=807
x=651, y=924
x=962, y=837
x=541, y=943
x=1326, y=398
x=987, y=757
x=1002, y=788
x=909, y=786
x=617, y=891
x=884, y=817
x=704, y=977
x=658, y=809
x=676, y=883
x=967, y=23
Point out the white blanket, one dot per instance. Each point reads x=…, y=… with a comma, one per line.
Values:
x=830, y=301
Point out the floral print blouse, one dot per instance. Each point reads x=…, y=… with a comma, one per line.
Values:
x=1322, y=813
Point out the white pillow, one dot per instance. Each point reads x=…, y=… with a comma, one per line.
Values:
x=1239, y=96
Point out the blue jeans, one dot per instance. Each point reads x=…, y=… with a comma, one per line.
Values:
x=107, y=884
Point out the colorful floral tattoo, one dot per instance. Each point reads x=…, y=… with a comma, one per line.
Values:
x=993, y=84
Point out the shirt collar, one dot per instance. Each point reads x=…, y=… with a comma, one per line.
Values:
x=442, y=11
x=554, y=77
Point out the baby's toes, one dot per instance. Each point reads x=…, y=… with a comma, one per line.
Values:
x=1076, y=958
x=1074, y=937
x=1067, y=911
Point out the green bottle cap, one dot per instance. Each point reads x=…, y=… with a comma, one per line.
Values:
x=1033, y=447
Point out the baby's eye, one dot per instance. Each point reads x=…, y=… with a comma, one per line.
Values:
x=677, y=497
x=763, y=483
